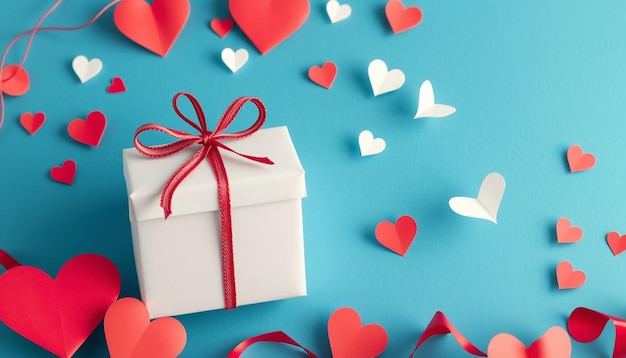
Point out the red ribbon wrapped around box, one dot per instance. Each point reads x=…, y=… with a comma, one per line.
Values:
x=210, y=142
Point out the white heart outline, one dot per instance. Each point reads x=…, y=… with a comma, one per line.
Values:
x=370, y=145
x=487, y=202
x=234, y=60
x=337, y=12
x=383, y=80
x=86, y=69
x=427, y=108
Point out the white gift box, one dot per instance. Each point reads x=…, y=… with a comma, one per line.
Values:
x=178, y=260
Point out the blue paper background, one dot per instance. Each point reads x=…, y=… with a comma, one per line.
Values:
x=529, y=79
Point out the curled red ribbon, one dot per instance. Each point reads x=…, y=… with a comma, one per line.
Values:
x=277, y=337
x=586, y=325
x=210, y=142
x=441, y=325
x=7, y=261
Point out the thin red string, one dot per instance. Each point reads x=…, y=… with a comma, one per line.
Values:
x=30, y=42
x=276, y=337
x=7, y=261
x=586, y=325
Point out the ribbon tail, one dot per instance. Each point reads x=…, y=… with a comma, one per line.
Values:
x=586, y=325
x=440, y=325
x=274, y=337
x=7, y=261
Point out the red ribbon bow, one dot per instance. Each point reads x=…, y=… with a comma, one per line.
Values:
x=210, y=142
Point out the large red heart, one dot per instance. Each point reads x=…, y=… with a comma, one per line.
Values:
x=90, y=130
x=401, y=18
x=130, y=334
x=348, y=339
x=325, y=75
x=155, y=27
x=267, y=23
x=58, y=315
x=14, y=80
x=555, y=343
x=567, y=277
x=399, y=236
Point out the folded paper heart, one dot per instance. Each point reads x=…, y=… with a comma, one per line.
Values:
x=117, y=86
x=59, y=314
x=370, y=145
x=65, y=173
x=32, y=122
x=383, y=80
x=486, y=204
x=234, y=60
x=15, y=80
x=399, y=236
x=154, y=26
x=426, y=104
x=567, y=277
x=401, y=18
x=267, y=23
x=222, y=27
x=86, y=69
x=325, y=75
x=555, y=343
x=337, y=12
x=349, y=339
x=566, y=233
x=616, y=242
x=579, y=161
x=90, y=130
x=130, y=334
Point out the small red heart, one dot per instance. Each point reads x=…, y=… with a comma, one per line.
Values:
x=568, y=278
x=267, y=23
x=401, y=18
x=130, y=334
x=325, y=75
x=616, y=242
x=117, y=86
x=154, y=26
x=566, y=233
x=579, y=161
x=222, y=27
x=399, y=236
x=59, y=314
x=65, y=173
x=15, y=80
x=90, y=130
x=348, y=339
x=555, y=343
x=32, y=122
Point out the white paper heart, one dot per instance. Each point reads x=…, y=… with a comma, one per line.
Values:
x=486, y=204
x=370, y=145
x=426, y=104
x=337, y=12
x=384, y=81
x=86, y=69
x=234, y=60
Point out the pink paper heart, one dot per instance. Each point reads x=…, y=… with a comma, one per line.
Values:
x=566, y=233
x=348, y=339
x=555, y=343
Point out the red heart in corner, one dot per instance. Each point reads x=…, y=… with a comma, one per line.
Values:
x=401, y=18
x=348, y=339
x=59, y=314
x=397, y=237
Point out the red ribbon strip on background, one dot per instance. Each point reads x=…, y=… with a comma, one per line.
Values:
x=586, y=325
x=210, y=142
x=441, y=325
x=276, y=337
x=7, y=261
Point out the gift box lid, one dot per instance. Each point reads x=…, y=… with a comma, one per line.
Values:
x=250, y=183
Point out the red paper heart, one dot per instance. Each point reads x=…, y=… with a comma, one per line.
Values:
x=222, y=27
x=15, y=80
x=130, y=334
x=58, y=315
x=616, y=242
x=348, y=339
x=32, y=122
x=117, y=86
x=399, y=236
x=567, y=278
x=555, y=343
x=401, y=18
x=325, y=75
x=65, y=173
x=155, y=27
x=267, y=23
x=90, y=130
x=579, y=161
x=566, y=233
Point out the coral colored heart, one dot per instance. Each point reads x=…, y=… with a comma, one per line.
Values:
x=32, y=122
x=567, y=277
x=154, y=26
x=59, y=314
x=222, y=27
x=325, y=75
x=267, y=23
x=65, y=173
x=579, y=161
x=399, y=236
x=15, y=80
x=90, y=130
x=616, y=242
x=130, y=334
x=401, y=18
x=566, y=233
x=555, y=343
x=348, y=339
x=117, y=86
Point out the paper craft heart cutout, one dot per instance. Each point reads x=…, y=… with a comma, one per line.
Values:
x=567, y=277
x=117, y=86
x=59, y=314
x=65, y=173
x=486, y=204
x=616, y=242
x=32, y=122
x=401, y=18
x=555, y=343
x=348, y=339
x=566, y=233
x=397, y=237
x=369, y=145
x=154, y=26
x=90, y=130
x=130, y=334
x=325, y=75
x=15, y=80
x=222, y=27
x=267, y=23
x=579, y=161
